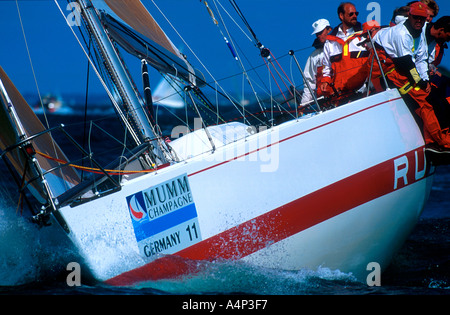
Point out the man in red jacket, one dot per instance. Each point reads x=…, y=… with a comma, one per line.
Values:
x=343, y=56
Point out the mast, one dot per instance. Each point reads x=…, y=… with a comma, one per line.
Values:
x=143, y=130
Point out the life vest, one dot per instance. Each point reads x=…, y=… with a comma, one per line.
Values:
x=347, y=65
x=439, y=53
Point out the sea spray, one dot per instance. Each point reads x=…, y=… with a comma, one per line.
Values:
x=237, y=277
x=28, y=253
x=18, y=245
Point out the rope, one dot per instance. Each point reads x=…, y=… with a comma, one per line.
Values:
x=94, y=170
x=286, y=76
x=276, y=82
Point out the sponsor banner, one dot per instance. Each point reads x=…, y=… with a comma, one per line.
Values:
x=164, y=217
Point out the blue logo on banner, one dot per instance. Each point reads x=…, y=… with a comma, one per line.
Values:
x=137, y=206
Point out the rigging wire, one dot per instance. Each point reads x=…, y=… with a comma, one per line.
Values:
x=266, y=54
x=31, y=63
x=112, y=87
x=230, y=47
x=116, y=106
x=86, y=101
x=244, y=20
x=223, y=91
x=237, y=24
x=61, y=174
x=216, y=81
x=242, y=65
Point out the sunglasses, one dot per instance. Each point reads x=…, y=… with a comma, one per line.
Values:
x=353, y=13
x=418, y=17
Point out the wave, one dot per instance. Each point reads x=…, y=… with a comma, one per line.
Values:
x=28, y=254
x=237, y=277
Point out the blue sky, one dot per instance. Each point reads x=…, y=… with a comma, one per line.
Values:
x=60, y=65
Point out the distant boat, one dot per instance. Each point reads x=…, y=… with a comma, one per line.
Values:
x=51, y=104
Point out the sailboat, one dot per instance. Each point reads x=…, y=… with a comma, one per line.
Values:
x=338, y=187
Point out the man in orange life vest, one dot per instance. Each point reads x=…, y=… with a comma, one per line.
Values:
x=404, y=55
x=343, y=57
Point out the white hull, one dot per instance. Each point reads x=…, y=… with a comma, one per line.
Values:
x=339, y=190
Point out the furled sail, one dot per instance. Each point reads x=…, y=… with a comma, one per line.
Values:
x=59, y=180
x=131, y=26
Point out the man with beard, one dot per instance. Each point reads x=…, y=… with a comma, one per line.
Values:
x=342, y=45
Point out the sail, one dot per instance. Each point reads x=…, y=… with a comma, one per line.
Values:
x=132, y=26
x=59, y=180
x=134, y=14
x=166, y=95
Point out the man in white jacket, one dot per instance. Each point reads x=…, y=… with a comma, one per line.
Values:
x=314, y=64
x=405, y=44
x=405, y=65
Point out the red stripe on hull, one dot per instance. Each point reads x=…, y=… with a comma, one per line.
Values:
x=285, y=221
x=294, y=136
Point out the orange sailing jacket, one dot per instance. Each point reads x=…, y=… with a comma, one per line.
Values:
x=347, y=58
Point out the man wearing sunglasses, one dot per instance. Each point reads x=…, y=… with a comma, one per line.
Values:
x=339, y=45
x=404, y=50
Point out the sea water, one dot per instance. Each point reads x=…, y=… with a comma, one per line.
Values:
x=34, y=261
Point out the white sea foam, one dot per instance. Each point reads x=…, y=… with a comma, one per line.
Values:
x=27, y=253
x=239, y=277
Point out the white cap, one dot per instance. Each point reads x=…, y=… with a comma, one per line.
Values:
x=320, y=25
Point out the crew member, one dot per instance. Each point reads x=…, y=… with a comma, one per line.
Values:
x=405, y=54
x=361, y=74
x=437, y=35
x=314, y=64
x=433, y=9
x=342, y=54
x=400, y=15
